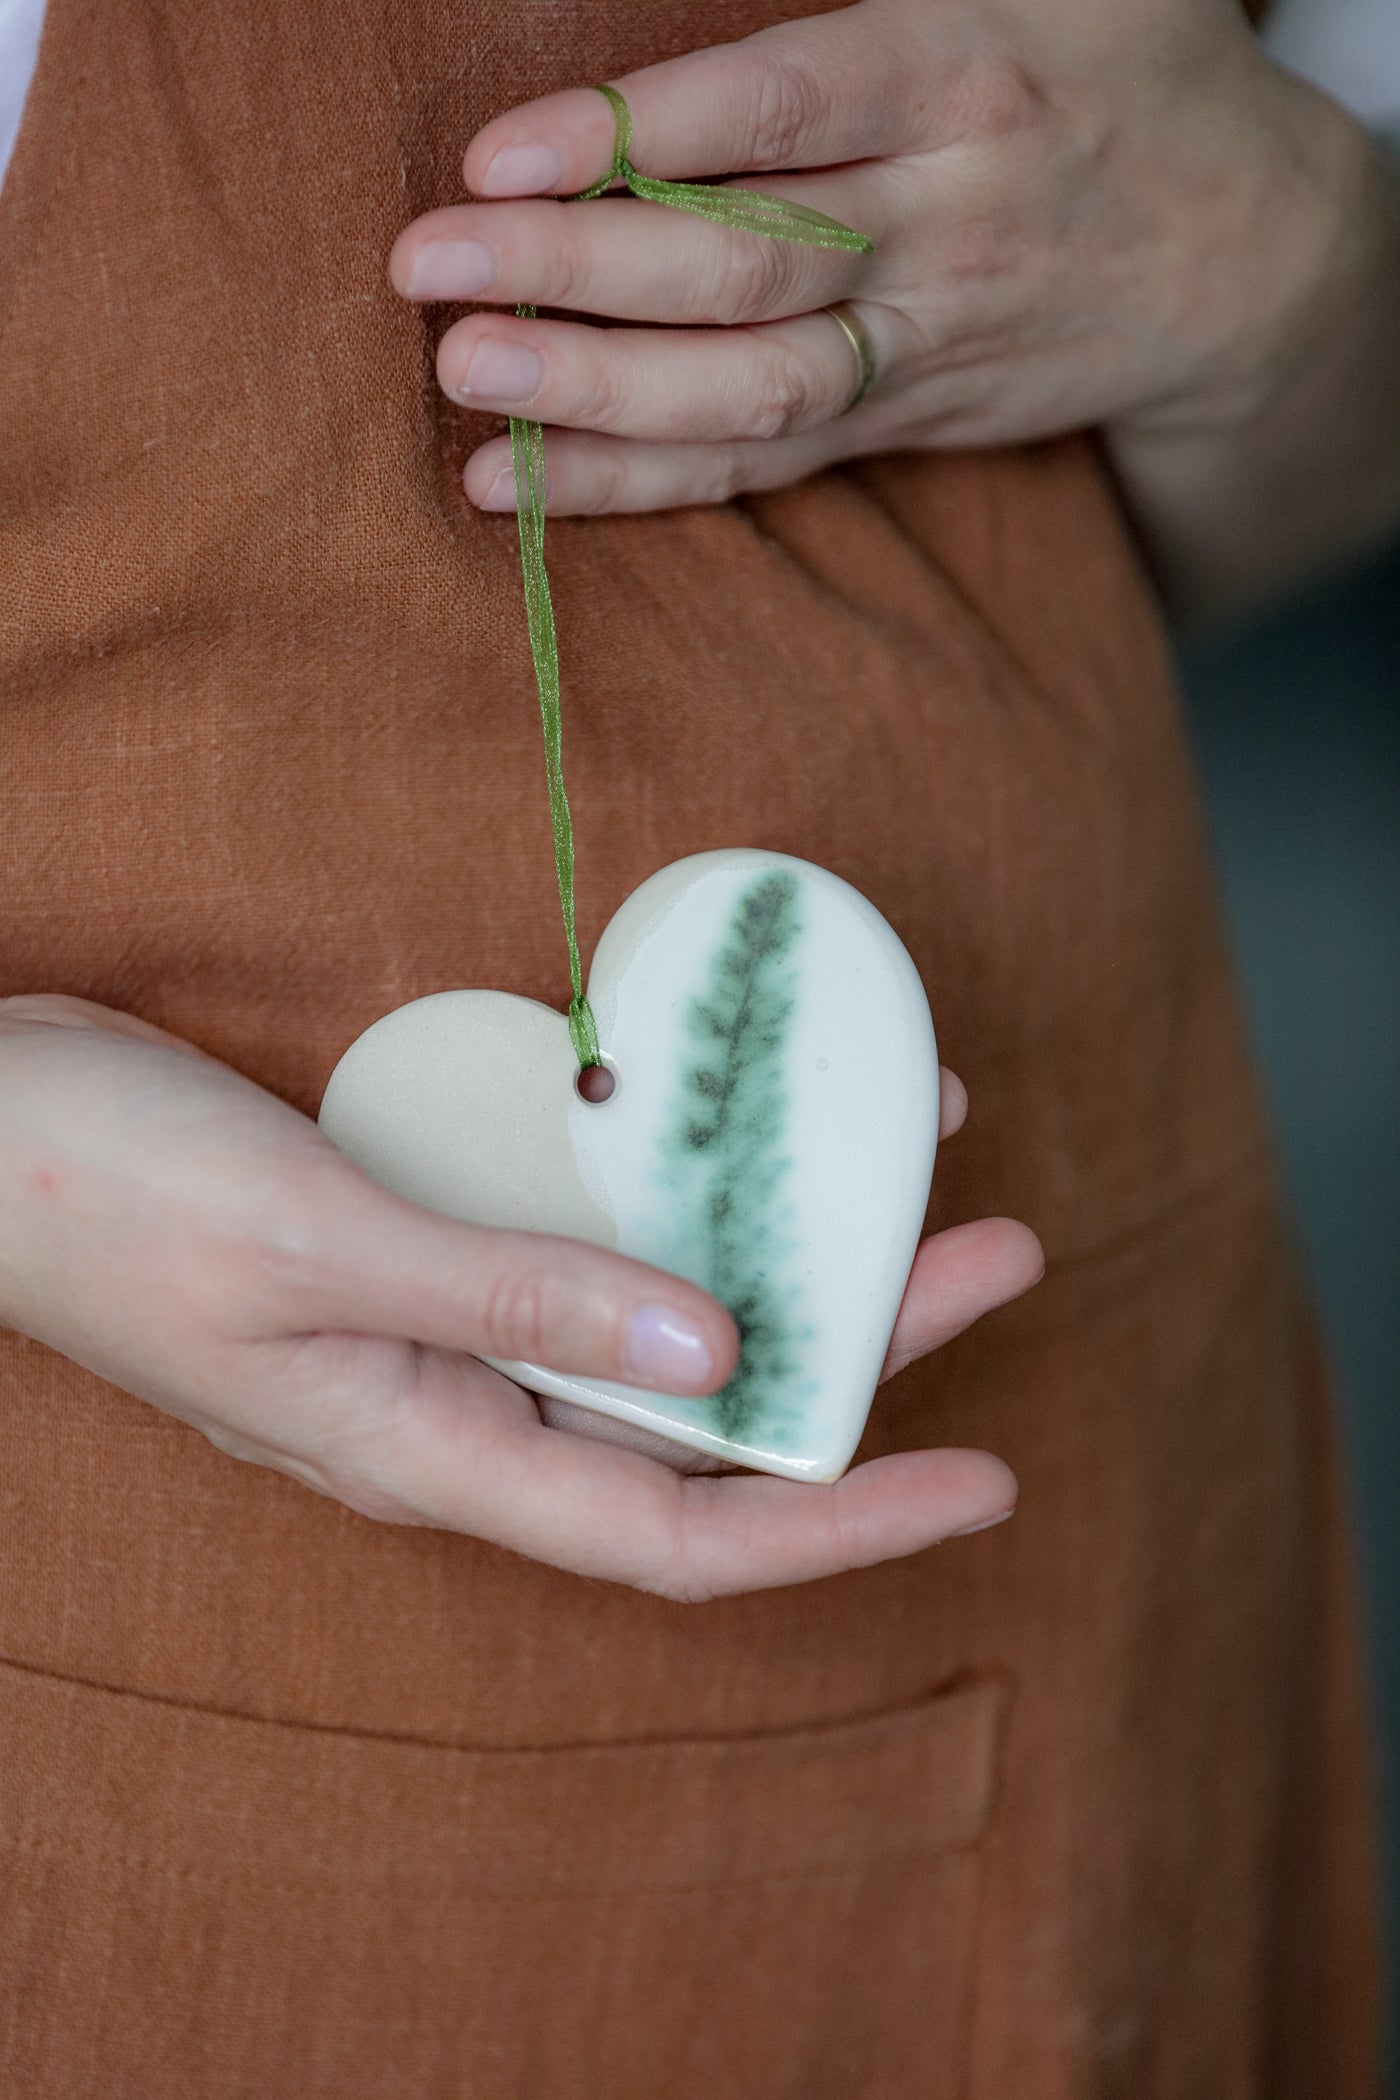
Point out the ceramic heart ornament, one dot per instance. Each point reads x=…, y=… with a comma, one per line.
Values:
x=770, y=1136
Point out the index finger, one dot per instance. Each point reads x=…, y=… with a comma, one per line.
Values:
x=799, y=95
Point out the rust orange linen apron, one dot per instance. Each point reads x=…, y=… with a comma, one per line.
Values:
x=299, y=1806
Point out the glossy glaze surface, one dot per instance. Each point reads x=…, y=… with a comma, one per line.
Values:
x=771, y=1135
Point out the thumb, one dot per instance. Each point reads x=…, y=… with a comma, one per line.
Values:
x=387, y=1267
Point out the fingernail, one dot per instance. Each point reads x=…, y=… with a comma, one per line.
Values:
x=501, y=494
x=666, y=1352
x=985, y=1524
x=518, y=171
x=452, y=270
x=500, y=371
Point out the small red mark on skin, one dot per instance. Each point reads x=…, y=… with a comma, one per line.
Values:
x=45, y=1180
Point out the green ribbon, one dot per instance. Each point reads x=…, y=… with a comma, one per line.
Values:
x=746, y=211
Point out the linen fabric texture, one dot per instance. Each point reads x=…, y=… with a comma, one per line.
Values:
x=295, y=1803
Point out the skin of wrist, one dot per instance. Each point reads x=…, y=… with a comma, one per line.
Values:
x=1308, y=216
x=1279, y=460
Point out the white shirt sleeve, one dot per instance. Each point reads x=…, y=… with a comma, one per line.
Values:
x=1349, y=47
x=20, y=23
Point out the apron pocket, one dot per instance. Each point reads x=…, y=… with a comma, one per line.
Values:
x=194, y=1904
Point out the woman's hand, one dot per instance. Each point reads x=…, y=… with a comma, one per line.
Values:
x=1083, y=213
x=193, y=1239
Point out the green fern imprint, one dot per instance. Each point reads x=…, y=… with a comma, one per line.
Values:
x=727, y=1157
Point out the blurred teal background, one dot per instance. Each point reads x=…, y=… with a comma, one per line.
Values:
x=1297, y=724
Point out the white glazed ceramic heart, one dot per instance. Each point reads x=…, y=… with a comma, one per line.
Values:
x=771, y=1135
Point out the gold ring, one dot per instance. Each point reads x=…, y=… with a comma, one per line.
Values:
x=858, y=336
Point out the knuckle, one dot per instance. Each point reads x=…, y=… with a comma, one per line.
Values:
x=849, y=1545
x=996, y=96
x=678, y=1579
x=983, y=247
x=791, y=104
x=274, y=1241
x=381, y=1505
x=519, y=1314
x=340, y=1482
x=750, y=277
x=234, y=1444
x=605, y=489
x=598, y=393
x=792, y=394
x=681, y=1590
x=684, y=1568
x=562, y=268
x=720, y=473
x=238, y=1289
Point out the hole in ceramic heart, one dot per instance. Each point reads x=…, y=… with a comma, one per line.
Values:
x=595, y=1084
